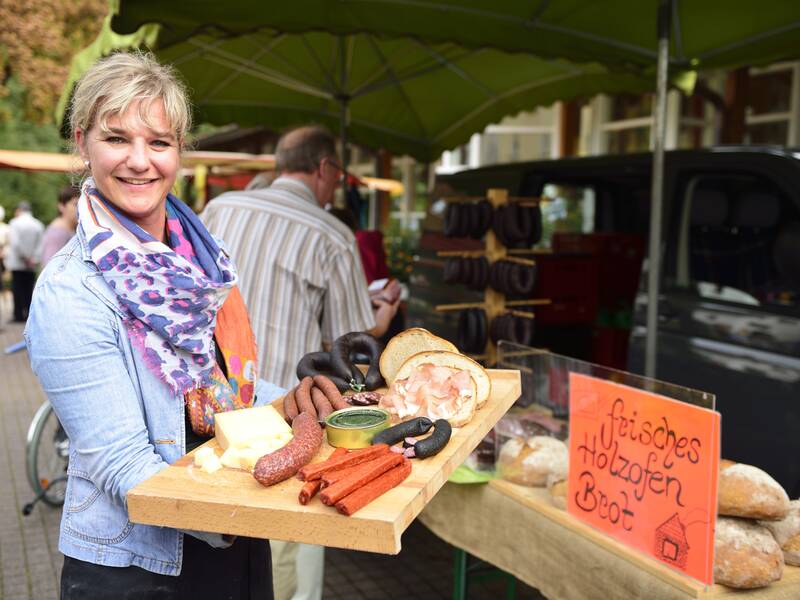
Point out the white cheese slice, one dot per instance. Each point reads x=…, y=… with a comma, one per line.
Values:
x=231, y=458
x=202, y=455
x=211, y=464
x=240, y=428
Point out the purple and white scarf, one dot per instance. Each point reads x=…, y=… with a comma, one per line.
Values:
x=171, y=298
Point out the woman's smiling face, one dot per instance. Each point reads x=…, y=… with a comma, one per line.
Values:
x=134, y=165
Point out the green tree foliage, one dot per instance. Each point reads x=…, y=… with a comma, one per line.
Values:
x=40, y=189
x=37, y=42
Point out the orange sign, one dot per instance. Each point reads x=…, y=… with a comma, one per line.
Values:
x=643, y=469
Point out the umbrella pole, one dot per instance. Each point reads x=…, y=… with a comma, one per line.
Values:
x=657, y=192
x=343, y=99
x=343, y=134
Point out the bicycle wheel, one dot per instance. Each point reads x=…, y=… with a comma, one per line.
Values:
x=47, y=455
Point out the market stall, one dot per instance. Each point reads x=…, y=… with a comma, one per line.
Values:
x=606, y=484
x=518, y=530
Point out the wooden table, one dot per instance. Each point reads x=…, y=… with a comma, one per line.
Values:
x=232, y=501
x=517, y=529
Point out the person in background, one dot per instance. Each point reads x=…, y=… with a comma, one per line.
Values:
x=3, y=247
x=22, y=257
x=62, y=228
x=304, y=285
x=139, y=336
x=373, y=259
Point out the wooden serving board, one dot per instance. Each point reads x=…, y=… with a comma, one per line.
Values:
x=232, y=501
x=538, y=499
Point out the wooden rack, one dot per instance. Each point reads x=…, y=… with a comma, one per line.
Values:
x=494, y=302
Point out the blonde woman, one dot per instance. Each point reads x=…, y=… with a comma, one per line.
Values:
x=138, y=335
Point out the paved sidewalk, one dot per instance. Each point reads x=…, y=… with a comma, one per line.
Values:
x=30, y=564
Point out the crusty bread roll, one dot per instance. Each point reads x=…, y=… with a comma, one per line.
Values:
x=747, y=491
x=531, y=461
x=406, y=344
x=787, y=533
x=745, y=554
x=557, y=486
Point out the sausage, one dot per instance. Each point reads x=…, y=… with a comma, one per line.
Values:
x=310, y=488
x=290, y=406
x=434, y=443
x=315, y=471
x=342, y=365
x=285, y=462
x=397, y=433
x=319, y=363
x=331, y=392
x=367, y=493
x=331, y=477
x=358, y=478
x=365, y=398
x=302, y=395
x=321, y=404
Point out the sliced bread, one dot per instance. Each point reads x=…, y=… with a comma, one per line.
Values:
x=404, y=345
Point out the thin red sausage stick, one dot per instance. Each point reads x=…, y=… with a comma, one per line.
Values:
x=375, y=488
x=316, y=470
x=371, y=470
x=310, y=488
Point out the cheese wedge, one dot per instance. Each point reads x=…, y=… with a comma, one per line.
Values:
x=202, y=455
x=211, y=464
x=240, y=428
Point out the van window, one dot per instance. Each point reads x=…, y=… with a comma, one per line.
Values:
x=739, y=241
x=566, y=208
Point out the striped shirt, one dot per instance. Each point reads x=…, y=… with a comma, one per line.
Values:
x=299, y=272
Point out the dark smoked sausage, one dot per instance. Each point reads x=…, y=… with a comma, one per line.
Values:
x=285, y=462
x=397, y=433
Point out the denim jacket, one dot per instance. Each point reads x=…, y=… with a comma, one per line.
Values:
x=123, y=423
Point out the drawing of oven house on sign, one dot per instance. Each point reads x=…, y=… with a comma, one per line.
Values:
x=671, y=545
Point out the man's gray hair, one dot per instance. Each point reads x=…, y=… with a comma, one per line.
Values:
x=303, y=149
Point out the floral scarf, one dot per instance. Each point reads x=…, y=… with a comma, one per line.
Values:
x=178, y=299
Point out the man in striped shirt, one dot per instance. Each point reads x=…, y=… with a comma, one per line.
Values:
x=302, y=280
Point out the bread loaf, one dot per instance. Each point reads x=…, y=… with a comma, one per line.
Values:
x=745, y=554
x=747, y=491
x=557, y=486
x=531, y=461
x=787, y=533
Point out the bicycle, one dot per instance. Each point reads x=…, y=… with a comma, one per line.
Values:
x=46, y=458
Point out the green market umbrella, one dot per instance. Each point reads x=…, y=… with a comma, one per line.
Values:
x=407, y=96
x=621, y=33
x=457, y=36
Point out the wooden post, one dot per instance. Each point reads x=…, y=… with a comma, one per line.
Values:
x=733, y=117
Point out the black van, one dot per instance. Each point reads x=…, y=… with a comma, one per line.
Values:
x=729, y=311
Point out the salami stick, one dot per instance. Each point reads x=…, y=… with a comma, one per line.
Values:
x=310, y=488
x=367, y=493
x=331, y=392
x=289, y=406
x=321, y=403
x=362, y=476
x=316, y=470
x=285, y=462
x=302, y=394
x=331, y=477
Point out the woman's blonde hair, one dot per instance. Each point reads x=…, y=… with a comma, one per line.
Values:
x=114, y=83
